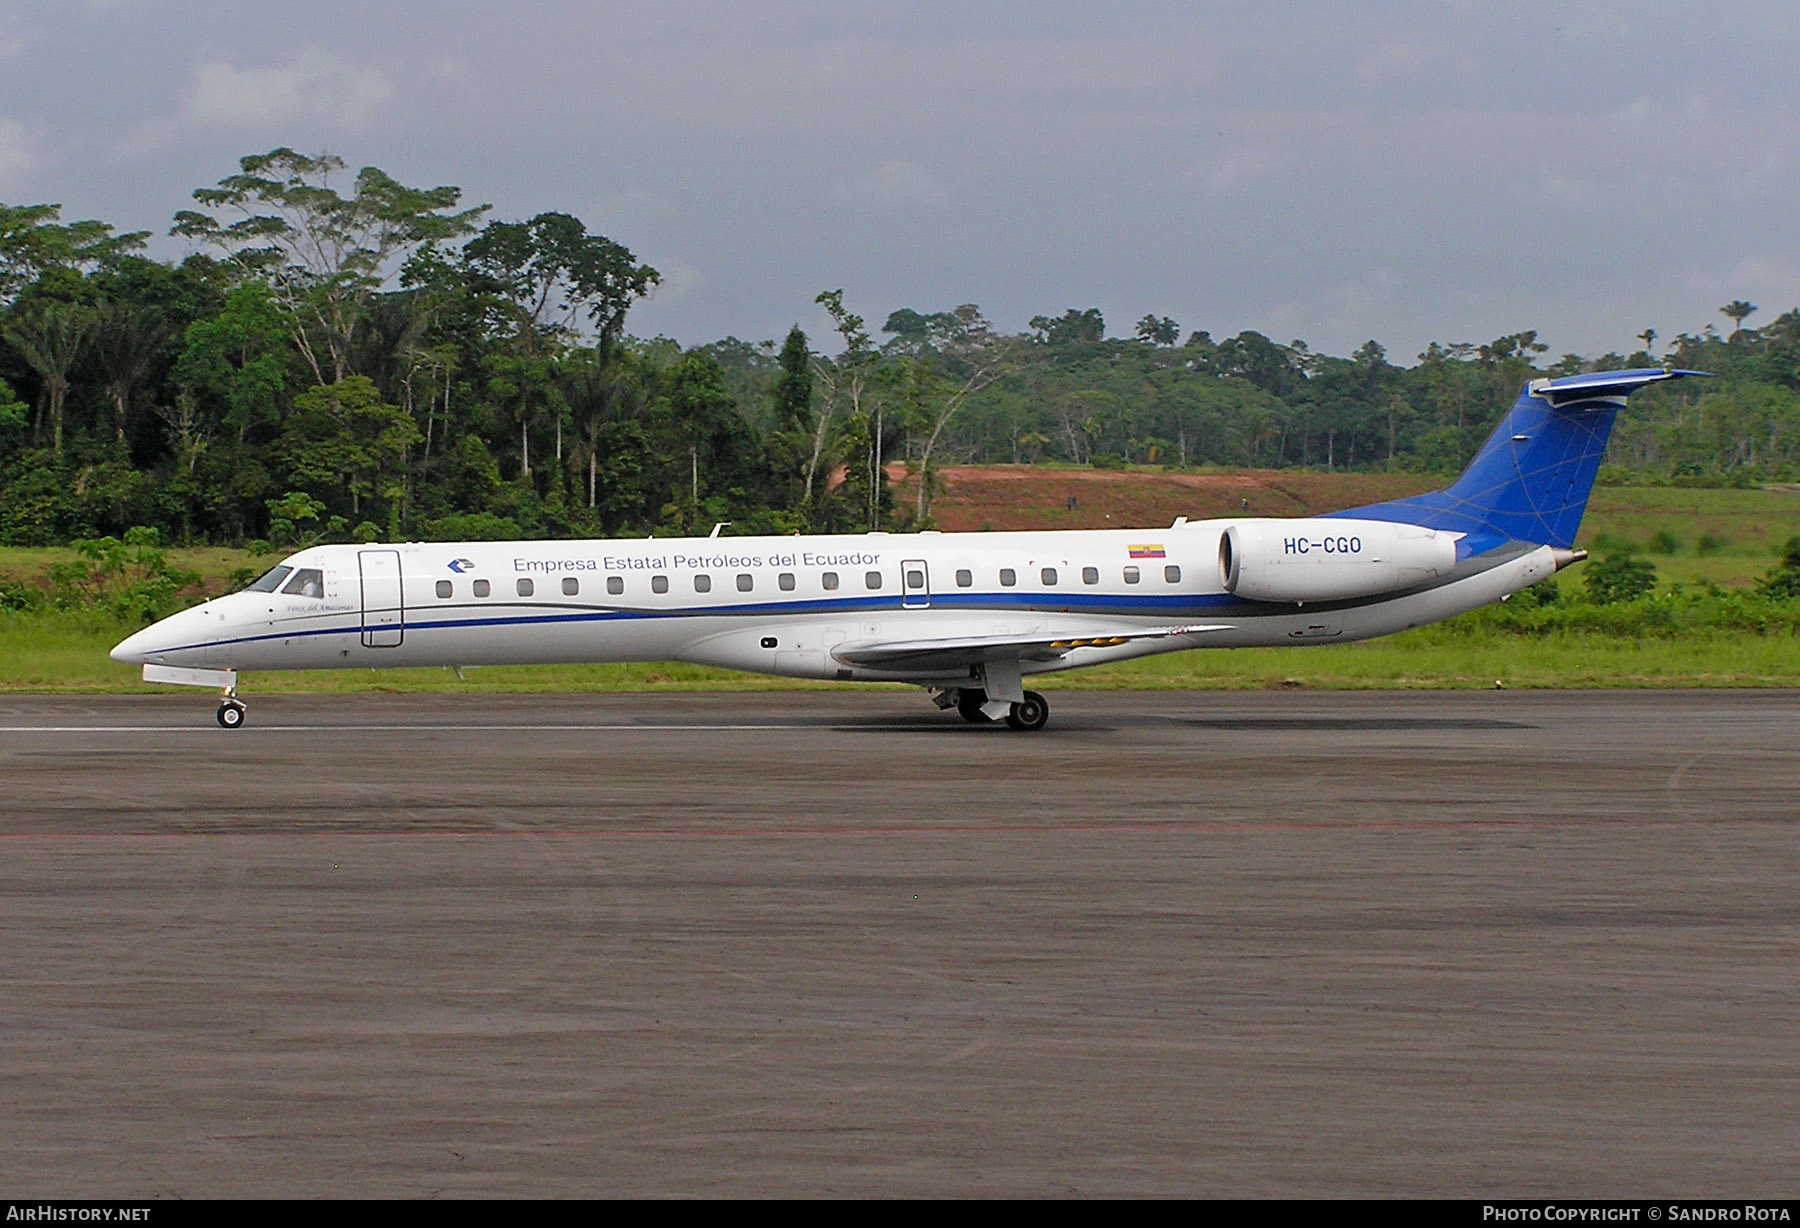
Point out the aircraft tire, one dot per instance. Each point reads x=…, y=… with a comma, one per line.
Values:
x=968, y=705
x=1030, y=715
x=231, y=716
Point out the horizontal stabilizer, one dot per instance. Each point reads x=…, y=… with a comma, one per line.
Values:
x=960, y=652
x=1602, y=385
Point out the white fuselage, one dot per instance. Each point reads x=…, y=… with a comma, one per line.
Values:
x=776, y=605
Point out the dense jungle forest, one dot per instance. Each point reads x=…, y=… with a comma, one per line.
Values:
x=344, y=357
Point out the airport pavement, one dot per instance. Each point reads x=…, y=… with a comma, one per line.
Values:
x=1493, y=943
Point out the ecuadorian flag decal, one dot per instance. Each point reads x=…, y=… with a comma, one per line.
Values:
x=1147, y=552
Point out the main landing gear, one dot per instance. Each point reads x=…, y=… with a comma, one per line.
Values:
x=231, y=712
x=968, y=705
x=1030, y=715
x=973, y=706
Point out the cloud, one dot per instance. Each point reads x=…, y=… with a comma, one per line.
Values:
x=893, y=185
x=313, y=91
x=314, y=87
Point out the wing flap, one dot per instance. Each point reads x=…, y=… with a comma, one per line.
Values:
x=961, y=652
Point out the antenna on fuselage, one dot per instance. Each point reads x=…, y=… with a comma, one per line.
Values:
x=717, y=527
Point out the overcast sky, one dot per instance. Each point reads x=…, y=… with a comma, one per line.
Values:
x=1333, y=172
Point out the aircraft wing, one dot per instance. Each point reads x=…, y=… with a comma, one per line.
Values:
x=960, y=652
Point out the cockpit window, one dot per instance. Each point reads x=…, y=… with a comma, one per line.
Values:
x=307, y=582
x=271, y=579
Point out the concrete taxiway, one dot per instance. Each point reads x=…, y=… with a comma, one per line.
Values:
x=836, y=943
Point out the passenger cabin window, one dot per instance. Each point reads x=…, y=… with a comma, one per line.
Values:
x=785, y=581
x=615, y=585
x=525, y=587
x=1131, y=575
x=571, y=586
x=270, y=580
x=745, y=582
x=915, y=578
x=1172, y=574
x=659, y=584
x=872, y=579
x=1090, y=575
x=1048, y=575
x=702, y=583
x=307, y=582
x=483, y=588
x=828, y=581
x=443, y=588
x=1008, y=577
x=964, y=577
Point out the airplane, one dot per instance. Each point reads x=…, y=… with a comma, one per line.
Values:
x=968, y=616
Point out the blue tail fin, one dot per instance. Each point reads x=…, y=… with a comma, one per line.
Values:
x=1530, y=481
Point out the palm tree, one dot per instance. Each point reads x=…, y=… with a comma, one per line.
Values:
x=127, y=341
x=594, y=383
x=1737, y=311
x=50, y=340
x=1648, y=337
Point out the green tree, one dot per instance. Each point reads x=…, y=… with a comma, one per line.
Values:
x=723, y=457
x=33, y=240
x=132, y=578
x=536, y=282
x=128, y=341
x=796, y=442
x=1620, y=576
x=14, y=420
x=288, y=513
x=343, y=439
x=49, y=340
x=1737, y=311
x=958, y=356
x=849, y=381
x=1783, y=582
x=1071, y=328
x=1154, y=331
x=237, y=360
x=280, y=217
x=599, y=387
x=549, y=274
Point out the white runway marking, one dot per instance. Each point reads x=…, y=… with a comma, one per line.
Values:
x=247, y=729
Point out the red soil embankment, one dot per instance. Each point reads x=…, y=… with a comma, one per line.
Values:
x=1031, y=497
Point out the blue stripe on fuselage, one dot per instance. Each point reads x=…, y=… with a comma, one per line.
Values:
x=1034, y=602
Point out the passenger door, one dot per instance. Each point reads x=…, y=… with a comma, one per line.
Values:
x=383, y=606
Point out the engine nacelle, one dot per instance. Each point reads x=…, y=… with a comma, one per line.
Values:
x=1320, y=559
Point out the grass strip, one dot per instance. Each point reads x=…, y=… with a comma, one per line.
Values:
x=58, y=652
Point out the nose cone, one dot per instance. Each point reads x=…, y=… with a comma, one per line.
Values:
x=138, y=649
x=172, y=641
